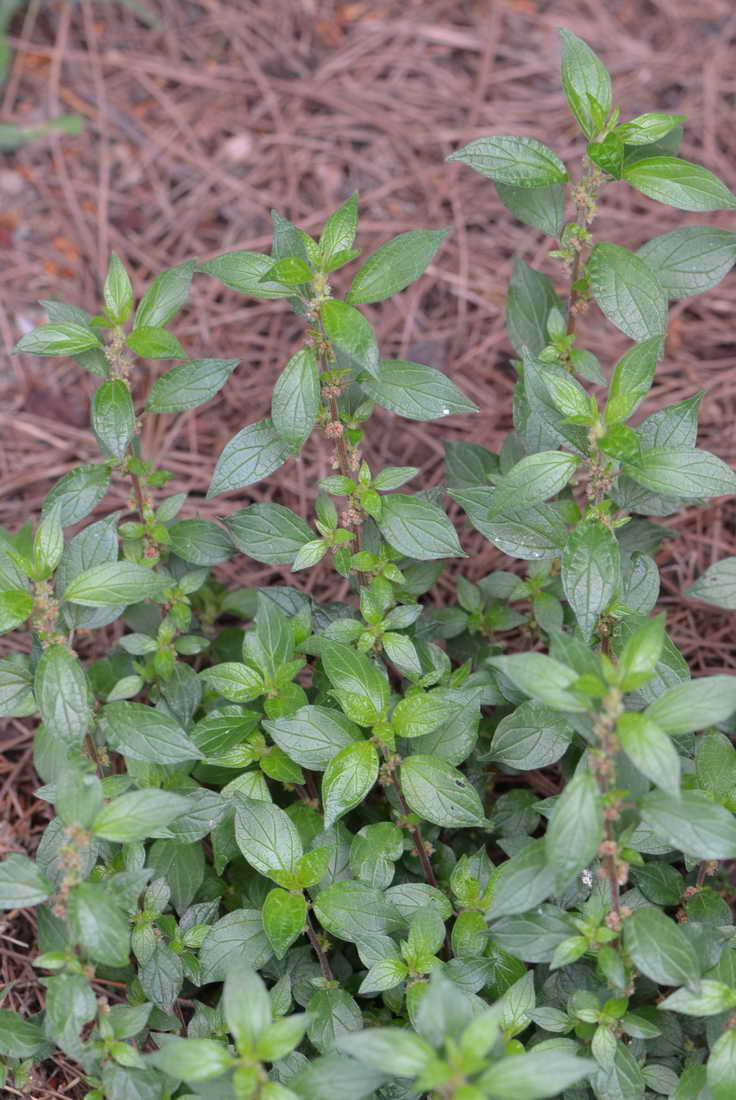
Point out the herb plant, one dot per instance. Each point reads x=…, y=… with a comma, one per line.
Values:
x=377, y=848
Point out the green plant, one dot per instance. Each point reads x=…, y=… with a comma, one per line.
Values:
x=277, y=838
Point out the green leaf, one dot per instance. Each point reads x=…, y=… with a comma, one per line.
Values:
x=333, y=1012
x=16, y=687
x=541, y=207
x=542, y=678
x=627, y=291
x=222, y=729
x=717, y=585
x=268, y=533
x=420, y=714
x=649, y=127
x=137, y=814
x=165, y=296
x=15, y=607
x=533, y=736
x=339, y=230
x=266, y=836
x=113, y=417
x=680, y=184
x=532, y=534
x=575, y=828
x=62, y=694
x=351, y=337
x=19, y=1038
x=235, y=681
x=393, y=477
x=200, y=542
x=566, y=393
x=348, y=778
x=118, y=291
x=529, y=301
x=650, y=750
x=356, y=912
x=21, y=883
x=721, y=1069
x=247, y=1006
x=189, y=384
x=244, y=271
x=519, y=161
x=182, y=867
x=290, y=270
x=541, y=424
x=251, y=455
x=192, y=1059
x=533, y=480
x=143, y=733
x=94, y=545
x=70, y=1004
x=78, y=492
x=534, y=1076
x=113, y=583
x=155, y=343
x=278, y=1040
x=682, y=472
x=335, y=1077
x=690, y=260
x=395, y=265
x=694, y=705
x=608, y=154
x=288, y=239
x=715, y=765
x=313, y=735
x=659, y=947
x=162, y=976
x=692, y=823
x=632, y=379
x=585, y=78
x=621, y=1075
x=99, y=925
x=521, y=883
x=590, y=572
x=296, y=398
x=440, y=793
x=62, y=338
x=284, y=918
x=48, y=544
x=388, y=1048
x=236, y=937
x=708, y=998
x=361, y=688
x=418, y=529
x=416, y=392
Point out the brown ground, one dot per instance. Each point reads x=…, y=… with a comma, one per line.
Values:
x=198, y=126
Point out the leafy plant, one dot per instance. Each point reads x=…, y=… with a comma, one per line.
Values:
x=308, y=841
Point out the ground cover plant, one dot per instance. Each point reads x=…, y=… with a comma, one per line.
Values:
x=377, y=848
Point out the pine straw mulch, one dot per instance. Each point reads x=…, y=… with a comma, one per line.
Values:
x=197, y=126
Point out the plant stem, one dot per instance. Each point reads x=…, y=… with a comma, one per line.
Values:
x=609, y=865
x=706, y=867
x=311, y=785
x=573, y=296
x=586, y=193
x=138, y=491
x=417, y=837
x=323, y=961
x=423, y=854
x=603, y=768
x=342, y=451
x=345, y=467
